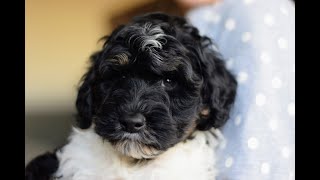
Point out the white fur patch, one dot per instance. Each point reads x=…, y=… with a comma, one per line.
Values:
x=136, y=149
x=88, y=157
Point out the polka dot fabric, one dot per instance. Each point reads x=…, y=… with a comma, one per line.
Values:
x=257, y=39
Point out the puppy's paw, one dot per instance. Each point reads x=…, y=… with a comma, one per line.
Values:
x=42, y=167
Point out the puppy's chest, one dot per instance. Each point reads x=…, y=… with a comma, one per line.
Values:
x=87, y=157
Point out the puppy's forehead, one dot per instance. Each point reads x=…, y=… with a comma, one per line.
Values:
x=148, y=42
x=151, y=50
x=148, y=36
x=145, y=38
x=152, y=47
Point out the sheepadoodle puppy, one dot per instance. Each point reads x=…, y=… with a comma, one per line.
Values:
x=148, y=107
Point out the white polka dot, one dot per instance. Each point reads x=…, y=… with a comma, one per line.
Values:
x=242, y=77
x=285, y=151
x=253, y=143
x=207, y=15
x=282, y=43
x=265, y=57
x=229, y=162
x=260, y=99
x=229, y=63
x=215, y=18
x=291, y=176
x=276, y=83
x=284, y=11
x=265, y=168
x=247, y=2
x=273, y=124
x=230, y=24
x=212, y=17
x=246, y=37
x=237, y=120
x=269, y=19
x=291, y=109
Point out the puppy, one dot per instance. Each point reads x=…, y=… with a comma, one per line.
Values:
x=147, y=107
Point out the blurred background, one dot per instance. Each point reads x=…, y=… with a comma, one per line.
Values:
x=62, y=34
x=60, y=37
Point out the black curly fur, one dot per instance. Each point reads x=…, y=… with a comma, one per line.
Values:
x=200, y=77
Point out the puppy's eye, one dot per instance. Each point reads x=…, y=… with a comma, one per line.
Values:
x=168, y=82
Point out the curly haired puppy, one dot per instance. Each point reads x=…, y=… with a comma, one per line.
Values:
x=146, y=107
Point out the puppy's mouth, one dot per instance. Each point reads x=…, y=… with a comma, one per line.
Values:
x=134, y=145
x=138, y=136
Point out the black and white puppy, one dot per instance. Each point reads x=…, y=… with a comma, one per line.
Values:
x=146, y=107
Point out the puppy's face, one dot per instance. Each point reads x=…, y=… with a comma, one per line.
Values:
x=154, y=82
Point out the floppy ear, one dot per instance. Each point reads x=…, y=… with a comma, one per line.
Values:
x=218, y=91
x=84, y=102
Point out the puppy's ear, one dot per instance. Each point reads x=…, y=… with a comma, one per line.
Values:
x=218, y=91
x=84, y=102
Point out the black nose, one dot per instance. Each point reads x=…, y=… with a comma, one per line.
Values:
x=133, y=123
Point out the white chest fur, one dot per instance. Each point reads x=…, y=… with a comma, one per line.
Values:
x=88, y=157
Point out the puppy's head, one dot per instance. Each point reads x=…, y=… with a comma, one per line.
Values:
x=154, y=82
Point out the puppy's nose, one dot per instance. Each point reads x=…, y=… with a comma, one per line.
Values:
x=133, y=123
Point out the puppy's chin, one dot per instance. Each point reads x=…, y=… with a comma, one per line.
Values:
x=135, y=149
